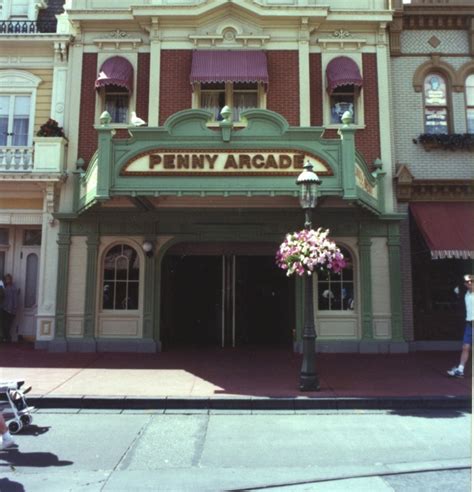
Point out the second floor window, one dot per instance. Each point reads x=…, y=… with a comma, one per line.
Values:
x=435, y=95
x=342, y=100
x=114, y=85
x=238, y=96
x=116, y=103
x=470, y=103
x=15, y=120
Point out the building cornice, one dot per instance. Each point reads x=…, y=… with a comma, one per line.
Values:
x=409, y=189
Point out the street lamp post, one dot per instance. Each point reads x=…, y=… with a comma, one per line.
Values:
x=308, y=182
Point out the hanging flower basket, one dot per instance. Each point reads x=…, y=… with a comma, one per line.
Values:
x=309, y=250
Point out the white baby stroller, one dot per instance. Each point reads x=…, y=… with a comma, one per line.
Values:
x=14, y=405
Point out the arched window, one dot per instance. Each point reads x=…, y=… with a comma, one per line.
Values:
x=336, y=290
x=121, y=275
x=435, y=98
x=470, y=103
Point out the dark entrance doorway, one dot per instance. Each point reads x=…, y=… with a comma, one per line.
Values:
x=226, y=300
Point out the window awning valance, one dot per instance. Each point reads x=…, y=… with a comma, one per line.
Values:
x=446, y=227
x=116, y=71
x=342, y=71
x=229, y=66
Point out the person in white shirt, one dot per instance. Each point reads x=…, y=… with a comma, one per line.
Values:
x=458, y=372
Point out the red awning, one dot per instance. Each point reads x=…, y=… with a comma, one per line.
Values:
x=116, y=71
x=229, y=66
x=448, y=228
x=342, y=71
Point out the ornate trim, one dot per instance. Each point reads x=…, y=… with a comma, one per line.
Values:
x=409, y=189
x=437, y=65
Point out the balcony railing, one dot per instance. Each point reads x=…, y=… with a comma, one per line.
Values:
x=27, y=27
x=16, y=159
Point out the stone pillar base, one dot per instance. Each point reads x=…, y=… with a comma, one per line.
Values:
x=57, y=345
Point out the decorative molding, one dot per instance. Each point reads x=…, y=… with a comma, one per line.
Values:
x=436, y=65
x=18, y=79
x=409, y=189
x=341, y=39
x=119, y=40
x=229, y=33
x=60, y=52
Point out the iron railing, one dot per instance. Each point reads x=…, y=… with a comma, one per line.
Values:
x=27, y=27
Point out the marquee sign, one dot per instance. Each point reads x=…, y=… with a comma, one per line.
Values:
x=164, y=162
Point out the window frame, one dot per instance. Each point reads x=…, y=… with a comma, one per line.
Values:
x=19, y=83
x=359, y=122
x=102, y=281
x=467, y=105
x=447, y=106
x=229, y=91
x=350, y=258
x=100, y=93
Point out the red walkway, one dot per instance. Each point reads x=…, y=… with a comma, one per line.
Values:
x=230, y=372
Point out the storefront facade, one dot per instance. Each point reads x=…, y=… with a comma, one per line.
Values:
x=433, y=71
x=33, y=80
x=168, y=229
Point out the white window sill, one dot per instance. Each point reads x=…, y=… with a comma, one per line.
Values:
x=334, y=126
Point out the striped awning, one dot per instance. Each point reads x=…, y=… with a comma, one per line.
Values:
x=229, y=66
x=342, y=71
x=117, y=71
x=447, y=228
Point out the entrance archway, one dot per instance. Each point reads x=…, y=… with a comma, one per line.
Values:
x=225, y=295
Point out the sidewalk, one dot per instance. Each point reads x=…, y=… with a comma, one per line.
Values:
x=234, y=378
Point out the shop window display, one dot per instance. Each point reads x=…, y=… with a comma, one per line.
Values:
x=121, y=275
x=336, y=290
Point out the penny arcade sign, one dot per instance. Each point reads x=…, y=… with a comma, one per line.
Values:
x=209, y=162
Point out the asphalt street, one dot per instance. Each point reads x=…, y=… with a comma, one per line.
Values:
x=200, y=450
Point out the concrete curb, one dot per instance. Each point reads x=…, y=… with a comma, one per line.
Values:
x=253, y=403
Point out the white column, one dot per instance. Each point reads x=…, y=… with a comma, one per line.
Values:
x=71, y=123
x=47, y=269
x=383, y=77
x=155, y=67
x=303, y=62
x=60, y=71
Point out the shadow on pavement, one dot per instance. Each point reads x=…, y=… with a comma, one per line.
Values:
x=7, y=485
x=34, y=430
x=16, y=458
x=431, y=414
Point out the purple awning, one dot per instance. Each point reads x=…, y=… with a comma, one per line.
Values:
x=342, y=71
x=229, y=66
x=115, y=71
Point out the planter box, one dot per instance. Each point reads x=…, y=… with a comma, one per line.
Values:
x=49, y=154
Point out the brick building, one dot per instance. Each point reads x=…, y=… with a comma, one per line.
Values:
x=432, y=48
x=168, y=230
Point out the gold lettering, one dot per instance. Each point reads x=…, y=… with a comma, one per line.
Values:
x=183, y=161
x=258, y=161
x=168, y=161
x=298, y=161
x=271, y=162
x=211, y=159
x=155, y=160
x=244, y=161
x=285, y=161
x=230, y=162
x=197, y=161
